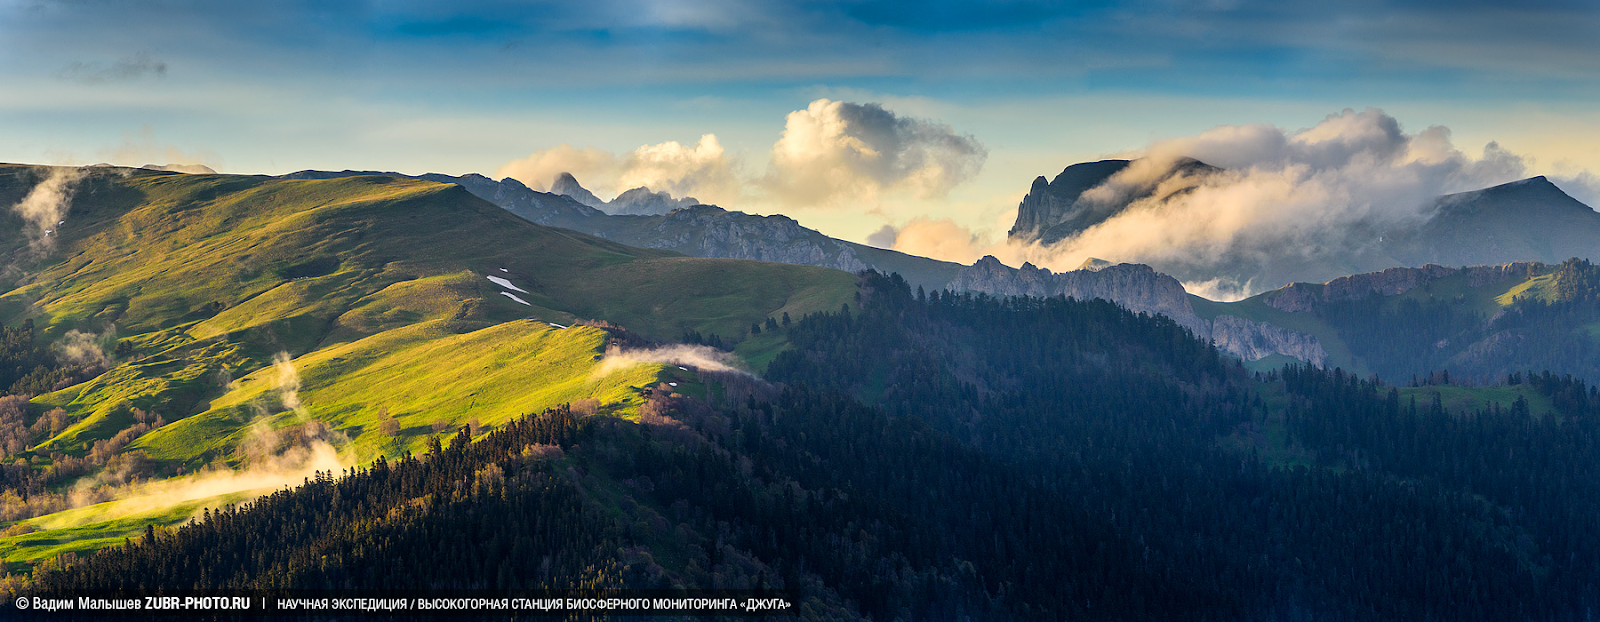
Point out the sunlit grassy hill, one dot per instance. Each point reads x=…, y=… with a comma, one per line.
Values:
x=375, y=290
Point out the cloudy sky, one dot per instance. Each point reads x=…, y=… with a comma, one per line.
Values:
x=929, y=117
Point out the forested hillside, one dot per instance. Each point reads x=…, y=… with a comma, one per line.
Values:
x=946, y=457
x=1548, y=322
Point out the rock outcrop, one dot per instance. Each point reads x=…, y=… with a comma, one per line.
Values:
x=1055, y=210
x=1136, y=287
x=710, y=231
x=1251, y=341
x=1051, y=203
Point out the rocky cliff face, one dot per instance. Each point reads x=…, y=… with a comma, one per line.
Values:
x=1253, y=341
x=1052, y=203
x=710, y=231
x=1055, y=210
x=1136, y=287
x=1303, y=297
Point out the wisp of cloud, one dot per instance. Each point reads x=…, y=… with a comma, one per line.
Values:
x=698, y=357
x=45, y=206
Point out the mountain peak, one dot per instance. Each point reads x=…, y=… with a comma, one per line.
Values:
x=192, y=169
x=566, y=184
x=641, y=201
x=1052, y=211
x=1095, y=263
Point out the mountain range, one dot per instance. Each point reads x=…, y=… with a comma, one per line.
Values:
x=353, y=381
x=1247, y=329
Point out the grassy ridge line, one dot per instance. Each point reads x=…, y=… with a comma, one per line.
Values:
x=212, y=274
x=160, y=247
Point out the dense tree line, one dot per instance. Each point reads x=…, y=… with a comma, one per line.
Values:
x=1122, y=414
x=28, y=366
x=1536, y=478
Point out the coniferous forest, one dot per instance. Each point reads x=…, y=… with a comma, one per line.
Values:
x=934, y=456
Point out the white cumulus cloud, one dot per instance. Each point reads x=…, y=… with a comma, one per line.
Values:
x=703, y=170
x=830, y=154
x=836, y=151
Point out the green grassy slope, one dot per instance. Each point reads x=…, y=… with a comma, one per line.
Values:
x=420, y=374
x=374, y=287
x=97, y=526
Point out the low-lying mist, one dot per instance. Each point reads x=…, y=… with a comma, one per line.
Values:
x=699, y=357
x=273, y=455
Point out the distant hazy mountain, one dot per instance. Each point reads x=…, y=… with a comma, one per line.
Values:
x=539, y=207
x=195, y=169
x=638, y=201
x=1527, y=220
x=566, y=185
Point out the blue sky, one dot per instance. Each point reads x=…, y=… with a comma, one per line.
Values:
x=472, y=87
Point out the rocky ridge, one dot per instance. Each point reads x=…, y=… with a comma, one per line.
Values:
x=1304, y=297
x=1140, y=288
x=710, y=231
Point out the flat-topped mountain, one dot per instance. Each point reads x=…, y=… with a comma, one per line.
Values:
x=1058, y=209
